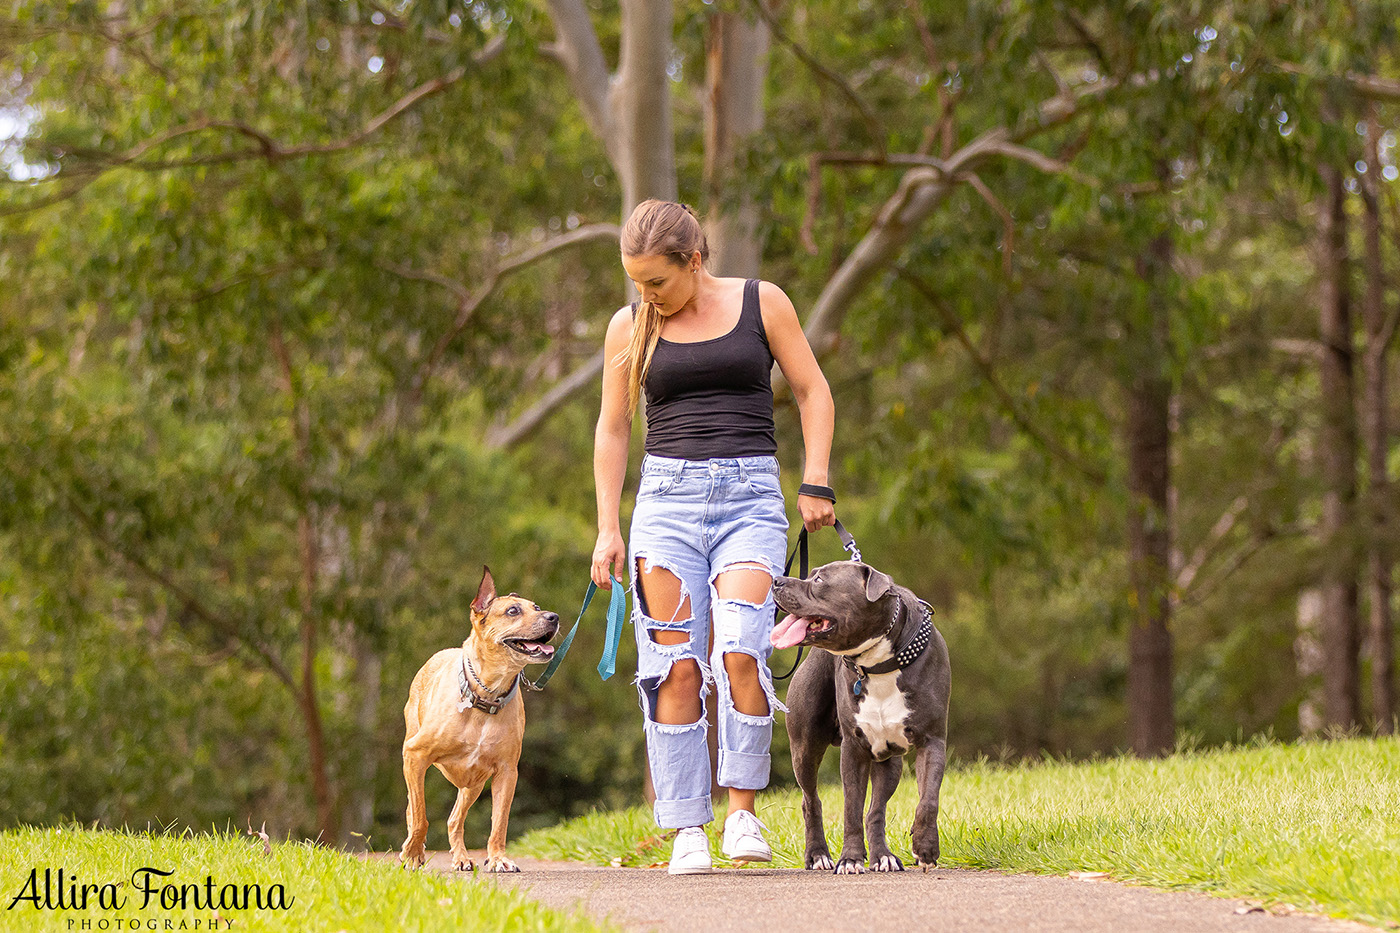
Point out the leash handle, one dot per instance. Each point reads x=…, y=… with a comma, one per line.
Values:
x=848, y=541
x=617, y=615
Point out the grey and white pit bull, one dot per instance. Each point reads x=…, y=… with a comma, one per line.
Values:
x=877, y=686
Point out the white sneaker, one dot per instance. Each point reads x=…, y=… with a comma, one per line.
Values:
x=691, y=853
x=743, y=838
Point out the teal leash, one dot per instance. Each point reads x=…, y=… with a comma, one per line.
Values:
x=617, y=613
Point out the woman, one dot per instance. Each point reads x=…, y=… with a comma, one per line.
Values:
x=710, y=529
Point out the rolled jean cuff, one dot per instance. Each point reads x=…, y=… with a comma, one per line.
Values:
x=679, y=814
x=743, y=770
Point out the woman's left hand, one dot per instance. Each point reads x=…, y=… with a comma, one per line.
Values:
x=816, y=512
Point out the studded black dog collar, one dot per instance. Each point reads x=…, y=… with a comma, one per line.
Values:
x=905, y=655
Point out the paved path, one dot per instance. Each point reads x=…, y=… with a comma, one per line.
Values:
x=941, y=900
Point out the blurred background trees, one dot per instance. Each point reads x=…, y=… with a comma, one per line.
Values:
x=301, y=324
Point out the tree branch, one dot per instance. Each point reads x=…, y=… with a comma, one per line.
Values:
x=1039, y=160
x=468, y=300
x=515, y=432
x=1090, y=41
x=1374, y=87
x=920, y=192
x=127, y=41
x=984, y=366
x=1008, y=223
x=268, y=148
x=1310, y=349
x=872, y=123
x=1197, y=596
x=188, y=600
x=72, y=190
x=1222, y=527
x=1370, y=87
x=576, y=48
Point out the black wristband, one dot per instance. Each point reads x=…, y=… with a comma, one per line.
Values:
x=819, y=492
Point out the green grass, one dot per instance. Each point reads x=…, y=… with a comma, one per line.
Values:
x=1314, y=825
x=328, y=890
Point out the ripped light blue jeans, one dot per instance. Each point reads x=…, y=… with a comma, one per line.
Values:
x=697, y=518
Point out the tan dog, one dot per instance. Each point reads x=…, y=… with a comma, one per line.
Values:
x=465, y=715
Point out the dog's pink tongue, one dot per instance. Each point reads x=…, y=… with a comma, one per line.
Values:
x=790, y=632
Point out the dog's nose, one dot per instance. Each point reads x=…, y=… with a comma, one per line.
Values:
x=779, y=582
x=552, y=618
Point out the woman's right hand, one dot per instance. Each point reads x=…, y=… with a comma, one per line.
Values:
x=609, y=556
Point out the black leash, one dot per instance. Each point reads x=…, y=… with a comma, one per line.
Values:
x=787, y=572
x=848, y=541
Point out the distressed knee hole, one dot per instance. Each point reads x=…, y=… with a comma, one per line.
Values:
x=662, y=596
x=677, y=693
x=749, y=581
x=669, y=637
x=748, y=691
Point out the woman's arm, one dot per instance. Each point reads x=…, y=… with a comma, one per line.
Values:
x=610, y=443
x=814, y=404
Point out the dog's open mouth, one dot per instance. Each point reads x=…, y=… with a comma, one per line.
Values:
x=534, y=649
x=794, y=630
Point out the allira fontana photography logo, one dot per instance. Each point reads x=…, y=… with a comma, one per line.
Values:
x=147, y=889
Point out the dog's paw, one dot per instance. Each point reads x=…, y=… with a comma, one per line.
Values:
x=926, y=856
x=850, y=866
x=886, y=863
x=462, y=863
x=500, y=864
x=412, y=858
x=820, y=861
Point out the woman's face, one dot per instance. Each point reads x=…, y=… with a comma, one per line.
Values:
x=667, y=284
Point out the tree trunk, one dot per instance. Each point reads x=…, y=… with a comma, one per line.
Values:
x=737, y=66
x=1150, y=708
x=327, y=824
x=641, y=105
x=1337, y=458
x=1373, y=428
x=1307, y=653
x=629, y=111
x=369, y=668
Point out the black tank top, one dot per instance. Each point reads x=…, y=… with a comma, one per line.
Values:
x=713, y=398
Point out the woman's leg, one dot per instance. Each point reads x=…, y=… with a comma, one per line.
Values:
x=671, y=675
x=742, y=618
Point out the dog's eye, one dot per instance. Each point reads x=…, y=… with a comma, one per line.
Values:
x=513, y=611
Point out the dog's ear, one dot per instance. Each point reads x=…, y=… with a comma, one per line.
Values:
x=484, y=593
x=877, y=584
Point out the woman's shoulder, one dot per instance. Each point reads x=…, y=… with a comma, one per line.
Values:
x=620, y=326
x=623, y=318
x=773, y=301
